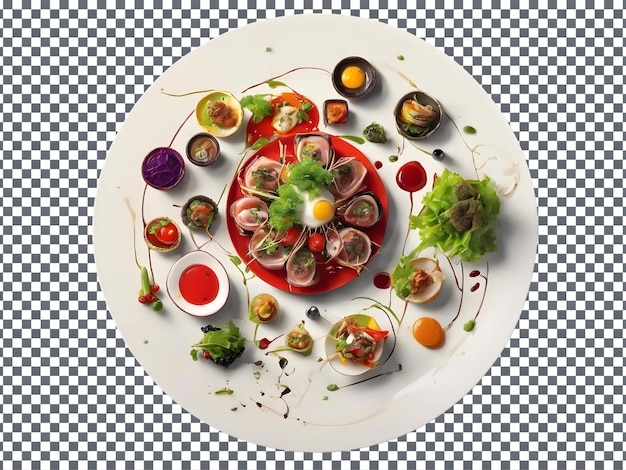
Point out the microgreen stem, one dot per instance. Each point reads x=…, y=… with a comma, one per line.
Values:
x=180, y=95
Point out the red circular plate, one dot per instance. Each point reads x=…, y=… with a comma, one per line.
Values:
x=333, y=274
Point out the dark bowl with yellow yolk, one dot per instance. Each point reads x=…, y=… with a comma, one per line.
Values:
x=354, y=77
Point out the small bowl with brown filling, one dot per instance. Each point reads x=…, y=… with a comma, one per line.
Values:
x=219, y=113
x=203, y=149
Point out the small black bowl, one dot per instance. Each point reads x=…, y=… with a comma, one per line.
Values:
x=369, y=81
x=335, y=112
x=203, y=149
x=404, y=127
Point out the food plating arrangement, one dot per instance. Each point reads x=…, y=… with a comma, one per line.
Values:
x=310, y=253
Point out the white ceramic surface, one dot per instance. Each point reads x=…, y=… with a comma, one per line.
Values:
x=310, y=417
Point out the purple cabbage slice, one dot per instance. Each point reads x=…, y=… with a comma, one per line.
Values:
x=163, y=168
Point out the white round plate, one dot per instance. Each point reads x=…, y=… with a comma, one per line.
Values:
x=283, y=399
x=173, y=285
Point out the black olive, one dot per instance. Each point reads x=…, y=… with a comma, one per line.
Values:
x=313, y=312
x=438, y=154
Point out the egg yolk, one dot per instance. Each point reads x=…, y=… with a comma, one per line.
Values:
x=428, y=332
x=353, y=77
x=323, y=210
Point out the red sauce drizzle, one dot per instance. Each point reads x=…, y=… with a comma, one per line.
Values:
x=411, y=177
x=198, y=284
x=382, y=280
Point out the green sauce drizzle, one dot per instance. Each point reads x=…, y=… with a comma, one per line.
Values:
x=353, y=138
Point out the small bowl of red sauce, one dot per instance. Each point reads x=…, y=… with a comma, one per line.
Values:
x=198, y=284
x=162, y=234
x=163, y=168
x=203, y=149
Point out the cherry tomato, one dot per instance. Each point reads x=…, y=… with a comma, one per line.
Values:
x=201, y=210
x=167, y=234
x=316, y=242
x=292, y=236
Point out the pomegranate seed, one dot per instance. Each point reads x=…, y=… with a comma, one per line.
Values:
x=207, y=355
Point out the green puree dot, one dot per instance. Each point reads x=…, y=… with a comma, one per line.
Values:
x=393, y=158
x=332, y=388
x=469, y=130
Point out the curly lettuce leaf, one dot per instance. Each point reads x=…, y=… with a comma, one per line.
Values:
x=436, y=229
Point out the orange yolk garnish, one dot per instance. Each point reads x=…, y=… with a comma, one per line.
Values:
x=428, y=332
x=353, y=77
x=323, y=210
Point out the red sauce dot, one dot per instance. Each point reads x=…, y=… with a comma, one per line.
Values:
x=198, y=284
x=378, y=164
x=411, y=177
x=382, y=280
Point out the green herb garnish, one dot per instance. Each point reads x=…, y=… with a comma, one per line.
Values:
x=310, y=176
x=258, y=106
x=282, y=211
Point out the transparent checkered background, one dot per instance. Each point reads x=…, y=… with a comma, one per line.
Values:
x=74, y=397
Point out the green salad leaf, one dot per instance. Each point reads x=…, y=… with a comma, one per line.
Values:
x=457, y=219
x=223, y=343
x=258, y=106
x=401, y=275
